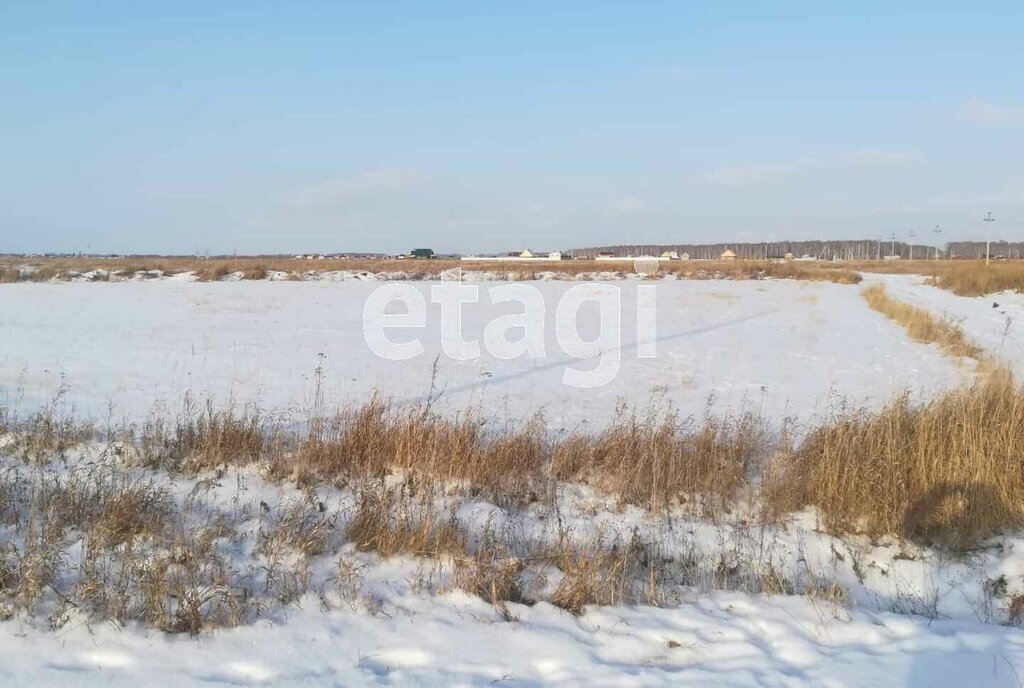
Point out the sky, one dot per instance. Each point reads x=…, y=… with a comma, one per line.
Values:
x=479, y=127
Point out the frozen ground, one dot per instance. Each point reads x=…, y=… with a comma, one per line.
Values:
x=784, y=348
x=419, y=631
x=995, y=322
x=724, y=639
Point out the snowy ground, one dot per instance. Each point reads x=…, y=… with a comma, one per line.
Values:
x=419, y=631
x=725, y=639
x=913, y=617
x=995, y=322
x=783, y=348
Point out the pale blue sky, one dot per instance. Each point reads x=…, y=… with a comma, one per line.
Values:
x=379, y=126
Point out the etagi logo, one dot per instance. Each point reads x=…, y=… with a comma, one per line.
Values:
x=499, y=340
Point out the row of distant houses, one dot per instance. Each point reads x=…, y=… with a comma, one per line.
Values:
x=516, y=256
x=529, y=255
x=526, y=255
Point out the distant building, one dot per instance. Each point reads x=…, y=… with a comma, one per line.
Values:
x=514, y=256
x=421, y=253
x=728, y=254
x=669, y=255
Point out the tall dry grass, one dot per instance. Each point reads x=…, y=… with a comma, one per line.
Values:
x=377, y=439
x=259, y=267
x=979, y=279
x=811, y=271
x=948, y=471
x=962, y=277
x=662, y=463
x=920, y=324
x=12, y=273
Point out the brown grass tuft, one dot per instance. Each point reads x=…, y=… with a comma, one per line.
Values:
x=376, y=439
x=214, y=438
x=947, y=471
x=493, y=574
x=393, y=521
x=659, y=463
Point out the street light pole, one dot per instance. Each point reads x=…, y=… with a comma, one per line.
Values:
x=988, y=220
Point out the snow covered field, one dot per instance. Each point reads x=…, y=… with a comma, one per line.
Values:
x=995, y=322
x=779, y=347
x=908, y=616
x=724, y=639
x=398, y=621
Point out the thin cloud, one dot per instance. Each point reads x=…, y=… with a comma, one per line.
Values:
x=743, y=175
x=370, y=183
x=627, y=204
x=877, y=156
x=982, y=112
x=762, y=173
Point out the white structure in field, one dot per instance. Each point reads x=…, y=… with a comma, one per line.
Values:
x=665, y=255
x=526, y=255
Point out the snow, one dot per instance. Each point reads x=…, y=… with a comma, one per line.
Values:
x=995, y=322
x=913, y=616
x=419, y=631
x=782, y=348
x=724, y=639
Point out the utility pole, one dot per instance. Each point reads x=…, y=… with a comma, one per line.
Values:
x=912, y=235
x=879, y=251
x=988, y=220
x=937, y=231
x=892, y=251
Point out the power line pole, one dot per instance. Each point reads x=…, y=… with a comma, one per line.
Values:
x=912, y=235
x=937, y=231
x=988, y=220
x=892, y=251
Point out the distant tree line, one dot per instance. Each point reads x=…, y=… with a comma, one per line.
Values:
x=855, y=249
x=976, y=249
x=862, y=249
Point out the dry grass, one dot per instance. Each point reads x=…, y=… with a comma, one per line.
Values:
x=962, y=277
x=11, y=273
x=593, y=575
x=377, y=439
x=921, y=325
x=108, y=547
x=812, y=271
x=661, y=463
x=259, y=267
x=46, y=434
x=978, y=280
x=204, y=439
x=492, y=573
x=947, y=471
x=393, y=521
